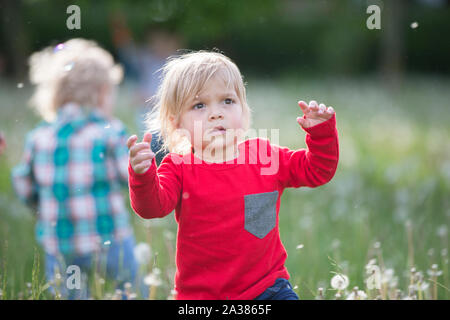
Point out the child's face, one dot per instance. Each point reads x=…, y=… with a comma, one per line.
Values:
x=216, y=105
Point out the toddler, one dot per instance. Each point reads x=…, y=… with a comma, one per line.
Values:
x=225, y=190
x=74, y=167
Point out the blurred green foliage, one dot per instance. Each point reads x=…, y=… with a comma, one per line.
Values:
x=263, y=36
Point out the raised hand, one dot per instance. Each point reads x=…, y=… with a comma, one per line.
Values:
x=314, y=113
x=141, y=154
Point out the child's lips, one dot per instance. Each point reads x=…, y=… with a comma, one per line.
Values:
x=217, y=131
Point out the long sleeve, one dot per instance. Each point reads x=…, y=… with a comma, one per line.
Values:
x=156, y=193
x=22, y=175
x=315, y=165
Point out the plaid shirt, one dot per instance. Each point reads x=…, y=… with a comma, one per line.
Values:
x=72, y=173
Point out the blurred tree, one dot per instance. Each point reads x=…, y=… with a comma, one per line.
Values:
x=393, y=41
x=13, y=37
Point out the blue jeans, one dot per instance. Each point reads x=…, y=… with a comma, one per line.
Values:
x=281, y=290
x=116, y=262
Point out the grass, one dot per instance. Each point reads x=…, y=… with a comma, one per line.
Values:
x=388, y=200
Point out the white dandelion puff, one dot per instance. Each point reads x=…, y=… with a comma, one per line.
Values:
x=339, y=282
x=387, y=275
x=434, y=271
x=421, y=286
x=357, y=294
x=143, y=253
x=152, y=280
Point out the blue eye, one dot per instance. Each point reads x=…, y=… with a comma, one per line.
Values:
x=199, y=105
x=229, y=101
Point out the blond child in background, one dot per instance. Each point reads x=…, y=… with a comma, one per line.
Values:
x=225, y=193
x=75, y=165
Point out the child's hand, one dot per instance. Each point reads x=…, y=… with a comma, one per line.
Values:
x=314, y=114
x=141, y=154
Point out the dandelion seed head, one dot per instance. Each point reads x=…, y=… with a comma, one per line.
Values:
x=107, y=242
x=143, y=253
x=152, y=280
x=300, y=246
x=434, y=272
x=371, y=262
x=339, y=282
x=387, y=275
x=394, y=282
x=20, y=85
x=156, y=271
x=357, y=295
x=117, y=294
x=377, y=245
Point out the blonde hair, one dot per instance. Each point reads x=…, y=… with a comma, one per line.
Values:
x=73, y=71
x=183, y=77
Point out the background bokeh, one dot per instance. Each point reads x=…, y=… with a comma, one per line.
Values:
x=389, y=199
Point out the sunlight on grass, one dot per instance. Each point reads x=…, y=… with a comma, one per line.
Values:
x=387, y=205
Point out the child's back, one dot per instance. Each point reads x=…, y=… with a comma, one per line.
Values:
x=75, y=164
x=72, y=172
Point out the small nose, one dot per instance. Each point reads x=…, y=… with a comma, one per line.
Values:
x=216, y=113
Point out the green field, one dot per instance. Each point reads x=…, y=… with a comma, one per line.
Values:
x=389, y=199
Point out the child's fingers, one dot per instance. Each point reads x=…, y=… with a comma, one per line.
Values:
x=304, y=106
x=147, y=137
x=313, y=106
x=138, y=147
x=330, y=110
x=141, y=157
x=302, y=121
x=142, y=167
x=131, y=141
x=322, y=108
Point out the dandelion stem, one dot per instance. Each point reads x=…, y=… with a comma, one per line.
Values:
x=439, y=284
x=152, y=294
x=410, y=244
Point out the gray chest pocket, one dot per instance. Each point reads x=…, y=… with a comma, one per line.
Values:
x=260, y=213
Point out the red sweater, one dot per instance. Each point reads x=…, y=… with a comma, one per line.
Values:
x=228, y=242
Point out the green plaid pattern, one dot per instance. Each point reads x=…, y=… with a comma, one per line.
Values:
x=72, y=173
